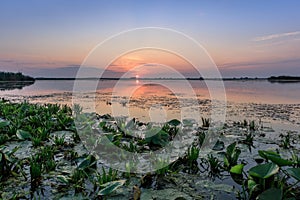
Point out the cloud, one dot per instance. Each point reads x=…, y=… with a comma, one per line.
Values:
x=276, y=36
x=250, y=64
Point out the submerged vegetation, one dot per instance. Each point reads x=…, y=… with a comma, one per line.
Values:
x=42, y=157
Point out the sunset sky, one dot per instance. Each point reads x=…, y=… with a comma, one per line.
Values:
x=244, y=38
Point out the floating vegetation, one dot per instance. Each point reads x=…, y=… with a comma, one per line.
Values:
x=42, y=157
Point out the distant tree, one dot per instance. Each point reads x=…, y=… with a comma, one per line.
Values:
x=10, y=76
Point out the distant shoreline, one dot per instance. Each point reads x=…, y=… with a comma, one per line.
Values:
x=200, y=79
x=284, y=79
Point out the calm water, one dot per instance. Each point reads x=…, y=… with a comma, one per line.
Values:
x=163, y=100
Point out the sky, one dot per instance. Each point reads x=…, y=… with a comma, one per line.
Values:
x=244, y=38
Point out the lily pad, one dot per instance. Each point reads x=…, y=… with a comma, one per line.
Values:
x=264, y=171
x=275, y=158
x=89, y=161
x=294, y=172
x=4, y=123
x=272, y=193
x=110, y=187
x=174, y=122
x=23, y=135
x=159, y=137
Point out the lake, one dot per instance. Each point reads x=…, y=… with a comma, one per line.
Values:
x=162, y=100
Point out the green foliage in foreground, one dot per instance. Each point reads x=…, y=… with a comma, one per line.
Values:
x=276, y=178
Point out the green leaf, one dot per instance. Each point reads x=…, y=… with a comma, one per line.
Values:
x=159, y=137
x=237, y=169
x=4, y=123
x=251, y=184
x=275, y=158
x=110, y=187
x=265, y=154
x=23, y=135
x=230, y=148
x=294, y=172
x=264, y=171
x=87, y=162
x=174, y=122
x=272, y=193
x=63, y=179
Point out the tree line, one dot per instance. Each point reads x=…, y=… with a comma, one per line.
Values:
x=10, y=76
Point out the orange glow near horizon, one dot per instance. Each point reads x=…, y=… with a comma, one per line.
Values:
x=150, y=62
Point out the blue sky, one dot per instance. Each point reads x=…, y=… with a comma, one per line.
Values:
x=244, y=38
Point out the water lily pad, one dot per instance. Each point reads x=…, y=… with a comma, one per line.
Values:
x=174, y=122
x=272, y=193
x=294, y=172
x=89, y=161
x=159, y=137
x=275, y=158
x=264, y=171
x=23, y=135
x=110, y=187
x=4, y=123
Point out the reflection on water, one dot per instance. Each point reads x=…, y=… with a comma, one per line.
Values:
x=146, y=99
x=12, y=85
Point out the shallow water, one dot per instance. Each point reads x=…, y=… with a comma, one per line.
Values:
x=162, y=100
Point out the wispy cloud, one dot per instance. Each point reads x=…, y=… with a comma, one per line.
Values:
x=276, y=36
x=252, y=64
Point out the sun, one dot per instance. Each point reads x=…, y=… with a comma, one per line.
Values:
x=137, y=76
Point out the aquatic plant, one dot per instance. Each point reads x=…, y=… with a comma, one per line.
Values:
x=59, y=140
x=270, y=179
x=285, y=141
x=162, y=166
x=105, y=177
x=201, y=138
x=35, y=168
x=42, y=133
x=158, y=137
x=9, y=164
x=171, y=127
x=249, y=139
x=231, y=156
x=215, y=165
x=77, y=109
x=192, y=156
x=295, y=159
x=110, y=187
x=36, y=141
x=205, y=122
x=4, y=138
x=131, y=147
x=77, y=179
x=252, y=126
